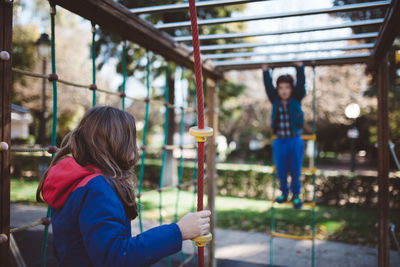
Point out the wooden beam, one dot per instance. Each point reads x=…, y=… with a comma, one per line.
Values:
x=249, y=64
x=6, y=13
x=212, y=115
x=119, y=20
x=387, y=33
x=383, y=163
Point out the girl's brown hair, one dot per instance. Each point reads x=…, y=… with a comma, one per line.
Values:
x=106, y=139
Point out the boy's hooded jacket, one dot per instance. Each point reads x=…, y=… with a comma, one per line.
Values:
x=295, y=112
x=90, y=227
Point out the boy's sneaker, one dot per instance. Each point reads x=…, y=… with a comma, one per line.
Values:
x=297, y=203
x=281, y=199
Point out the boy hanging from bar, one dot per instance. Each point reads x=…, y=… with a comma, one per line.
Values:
x=287, y=124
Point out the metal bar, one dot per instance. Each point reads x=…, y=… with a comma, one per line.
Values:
x=119, y=20
x=319, y=40
x=185, y=6
x=254, y=34
x=387, y=33
x=353, y=58
x=344, y=8
x=250, y=54
x=383, y=163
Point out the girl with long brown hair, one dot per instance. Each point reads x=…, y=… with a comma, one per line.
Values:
x=90, y=186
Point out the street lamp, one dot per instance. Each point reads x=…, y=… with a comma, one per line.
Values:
x=43, y=49
x=352, y=112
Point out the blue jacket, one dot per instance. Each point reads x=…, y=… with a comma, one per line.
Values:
x=295, y=111
x=90, y=227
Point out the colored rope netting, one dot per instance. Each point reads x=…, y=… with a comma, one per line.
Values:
x=123, y=95
x=54, y=126
x=146, y=123
x=164, y=153
x=93, y=52
x=50, y=149
x=43, y=221
x=198, y=171
x=93, y=87
x=181, y=165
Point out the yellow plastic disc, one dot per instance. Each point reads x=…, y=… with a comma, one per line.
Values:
x=398, y=56
x=201, y=134
x=201, y=241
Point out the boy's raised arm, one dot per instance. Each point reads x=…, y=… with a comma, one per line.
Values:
x=300, y=88
x=269, y=87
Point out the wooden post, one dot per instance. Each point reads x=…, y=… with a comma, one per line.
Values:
x=383, y=163
x=6, y=7
x=211, y=171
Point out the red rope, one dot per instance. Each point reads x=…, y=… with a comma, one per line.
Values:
x=197, y=63
x=200, y=114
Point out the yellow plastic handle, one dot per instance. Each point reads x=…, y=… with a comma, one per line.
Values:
x=201, y=241
x=201, y=134
x=398, y=56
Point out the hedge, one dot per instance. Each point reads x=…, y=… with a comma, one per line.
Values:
x=255, y=181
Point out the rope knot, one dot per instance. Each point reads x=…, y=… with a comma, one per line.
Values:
x=3, y=238
x=46, y=221
x=3, y=146
x=52, y=149
x=93, y=87
x=4, y=55
x=53, y=77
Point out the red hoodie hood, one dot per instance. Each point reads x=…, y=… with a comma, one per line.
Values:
x=63, y=178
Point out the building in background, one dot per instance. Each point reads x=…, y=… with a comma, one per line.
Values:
x=21, y=118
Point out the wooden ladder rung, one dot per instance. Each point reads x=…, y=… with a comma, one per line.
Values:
x=309, y=170
x=305, y=204
x=294, y=237
x=312, y=137
x=305, y=137
x=303, y=170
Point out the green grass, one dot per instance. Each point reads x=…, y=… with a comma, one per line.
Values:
x=345, y=224
x=23, y=190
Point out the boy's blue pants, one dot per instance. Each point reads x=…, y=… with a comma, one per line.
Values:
x=288, y=158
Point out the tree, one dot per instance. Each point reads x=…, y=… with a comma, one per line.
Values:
x=73, y=64
x=394, y=82
x=360, y=15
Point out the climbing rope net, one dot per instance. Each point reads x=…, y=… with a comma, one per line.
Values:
x=199, y=131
